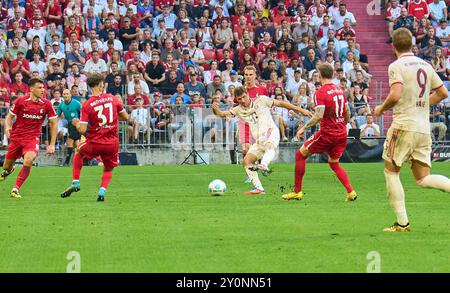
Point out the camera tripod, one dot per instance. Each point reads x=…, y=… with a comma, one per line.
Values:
x=193, y=152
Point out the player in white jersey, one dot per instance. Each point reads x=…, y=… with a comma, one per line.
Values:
x=408, y=140
x=257, y=113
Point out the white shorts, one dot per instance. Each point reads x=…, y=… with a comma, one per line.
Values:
x=403, y=146
x=271, y=139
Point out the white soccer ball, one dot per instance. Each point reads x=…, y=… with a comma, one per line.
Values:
x=217, y=187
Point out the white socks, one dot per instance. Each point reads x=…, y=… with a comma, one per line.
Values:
x=396, y=196
x=269, y=155
x=253, y=175
x=436, y=182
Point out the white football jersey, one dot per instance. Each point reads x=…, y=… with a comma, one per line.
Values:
x=412, y=111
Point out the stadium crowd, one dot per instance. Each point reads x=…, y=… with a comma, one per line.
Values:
x=164, y=57
x=428, y=21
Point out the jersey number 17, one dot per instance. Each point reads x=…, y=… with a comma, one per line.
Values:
x=339, y=106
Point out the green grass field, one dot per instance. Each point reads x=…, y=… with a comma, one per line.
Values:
x=161, y=219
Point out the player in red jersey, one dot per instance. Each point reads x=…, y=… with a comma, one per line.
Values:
x=30, y=112
x=102, y=112
x=332, y=112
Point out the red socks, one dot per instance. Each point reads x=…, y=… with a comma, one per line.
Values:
x=341, y=175
x=106, y=178
x=23, y=175
x=77, y=164
x=300, y=165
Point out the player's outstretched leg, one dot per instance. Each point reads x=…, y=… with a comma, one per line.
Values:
x=8, y=169
x=396, y=196
x=28, y=159
x=106, y=179
x=257, y=189
x=268, y=157
x=300, y=167
x=343, y=178
x=424, y=179
x=77, y=165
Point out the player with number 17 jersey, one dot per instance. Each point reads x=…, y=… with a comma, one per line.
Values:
x=332, y=136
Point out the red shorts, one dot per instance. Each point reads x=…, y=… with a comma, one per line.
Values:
x=109, y=153
x=18, y=148
x=244, y=132
x=333, y=145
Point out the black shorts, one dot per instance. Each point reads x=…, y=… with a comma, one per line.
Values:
x=73, y=133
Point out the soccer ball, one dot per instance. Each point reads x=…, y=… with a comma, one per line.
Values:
x=217, y=187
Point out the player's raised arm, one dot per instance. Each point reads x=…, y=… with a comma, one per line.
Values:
x=220, y=113
x=294, y=108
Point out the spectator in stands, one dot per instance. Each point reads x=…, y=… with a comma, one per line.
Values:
x=421, y=30
x=169, y=86
x=438, y=63
x=11, y=52
x=352, y=74
x=137, y=80
x=438, y=11
x=38, y=65
x=139, y=120
x=418, y=9
x=443, y=32
x=95, y=65
x=180, y=94
x=194, y=86
x=370, y=129
x=430, y=35
x=20, y=65
x=330, y=49
x=132, y=100
x=76, y=56
x=213, y=86
x=351, y=47
x=392, y=14
x=302, y=28
x=360, y=103
x=338, y=19
x=223, y=36
x=116, y=87
x=18, y=85
x=271, y=66
x=437, y=119
x=427, y=53
x=405, y=20
x=293, y=85
x=345, y=30
x=154, y=72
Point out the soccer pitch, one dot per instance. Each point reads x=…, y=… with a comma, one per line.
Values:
x=162, y=219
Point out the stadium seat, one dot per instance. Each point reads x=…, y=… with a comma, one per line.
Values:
x=210, y=54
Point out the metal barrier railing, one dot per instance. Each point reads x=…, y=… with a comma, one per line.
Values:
x=195, y=126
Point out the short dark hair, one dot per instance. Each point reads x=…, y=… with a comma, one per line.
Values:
x=94, y=80
x=34, y=81
x=239, y=91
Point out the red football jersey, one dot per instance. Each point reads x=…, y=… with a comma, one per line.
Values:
x=334, y=119
x=101, y=112
x=29, y=117
x=257, y=90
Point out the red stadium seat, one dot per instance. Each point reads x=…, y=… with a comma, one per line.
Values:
x=210, y=54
